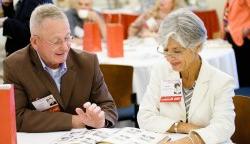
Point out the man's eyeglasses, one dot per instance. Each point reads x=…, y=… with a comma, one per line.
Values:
x=58, y=42
x=174, y=53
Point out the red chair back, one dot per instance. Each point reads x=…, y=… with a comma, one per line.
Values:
x=210, y=19
x=126, y=20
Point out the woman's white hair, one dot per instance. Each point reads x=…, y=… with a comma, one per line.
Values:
x=43, y=12
x=184, y=27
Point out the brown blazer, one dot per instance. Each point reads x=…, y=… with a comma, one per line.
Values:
x=82, y=82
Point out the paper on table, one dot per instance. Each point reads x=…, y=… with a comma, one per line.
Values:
x=127, y=135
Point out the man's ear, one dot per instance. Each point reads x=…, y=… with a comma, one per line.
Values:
x=34, y=41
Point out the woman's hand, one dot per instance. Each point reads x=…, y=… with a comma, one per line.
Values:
x=147, y=33
x=246, y=32
x=183, y=127
x=192, y=138
x=186, y=127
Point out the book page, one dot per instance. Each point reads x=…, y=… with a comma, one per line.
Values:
x=129, y=135
x=84, y=136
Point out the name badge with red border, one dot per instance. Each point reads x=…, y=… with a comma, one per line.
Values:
x=47, y=103
x=171, y=90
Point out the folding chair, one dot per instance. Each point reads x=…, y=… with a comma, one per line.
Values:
x=242, y=121
x=119, y=80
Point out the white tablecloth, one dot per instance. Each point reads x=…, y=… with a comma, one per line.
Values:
x=48, y=138
x=142, y=55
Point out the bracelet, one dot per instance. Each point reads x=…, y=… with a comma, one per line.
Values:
x=191, y=139
x=175, y=127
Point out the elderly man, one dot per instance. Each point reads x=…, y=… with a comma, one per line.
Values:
x=49, y=68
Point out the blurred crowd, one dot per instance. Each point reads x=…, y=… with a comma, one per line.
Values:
x=15, y=21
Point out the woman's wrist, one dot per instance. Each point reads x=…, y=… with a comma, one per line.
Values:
x=191, y=139
x=183, y=127
x=195, y=138
x=186, y=127
x=176, y=127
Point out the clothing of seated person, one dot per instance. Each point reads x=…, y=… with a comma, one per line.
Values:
x=147, y=24
x=205, y=110
x=80, y=12
x=48, y=68
x=146, y=4
x=237, y=32
x=16, y=23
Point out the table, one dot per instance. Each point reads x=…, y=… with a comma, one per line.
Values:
x=47, y=138
x=37, y=138
x=220, y=54
x=142, y=55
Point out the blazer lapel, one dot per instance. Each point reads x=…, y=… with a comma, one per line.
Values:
x=176, y=75
x=68, y=81
x=45, y=77
x=200, y=89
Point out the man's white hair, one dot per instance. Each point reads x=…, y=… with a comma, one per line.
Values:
x=42, y=12
x=184, y=27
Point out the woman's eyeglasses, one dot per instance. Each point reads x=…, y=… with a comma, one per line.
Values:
x=174, y=53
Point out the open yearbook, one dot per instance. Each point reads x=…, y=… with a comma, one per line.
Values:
x=126, y=135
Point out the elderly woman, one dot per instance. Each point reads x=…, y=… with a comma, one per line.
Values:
x=147, y=24
x=204, y=110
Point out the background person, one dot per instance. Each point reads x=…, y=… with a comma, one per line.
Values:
x=80, y=12
x=147, y=24
x=237, y=29
x=16, y=23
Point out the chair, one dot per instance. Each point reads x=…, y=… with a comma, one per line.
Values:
x=119, y=82
x=124, y=19
x=211, y=22
x=242, y=121
x=243, y=91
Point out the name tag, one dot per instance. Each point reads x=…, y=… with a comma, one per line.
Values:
x=171, y=90
x=47, y=103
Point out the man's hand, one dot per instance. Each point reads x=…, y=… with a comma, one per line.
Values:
x=2, y=21
x=76, y=122
x=246, y=32
x=7, y=2
x=93, y=116
x=92, y=15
